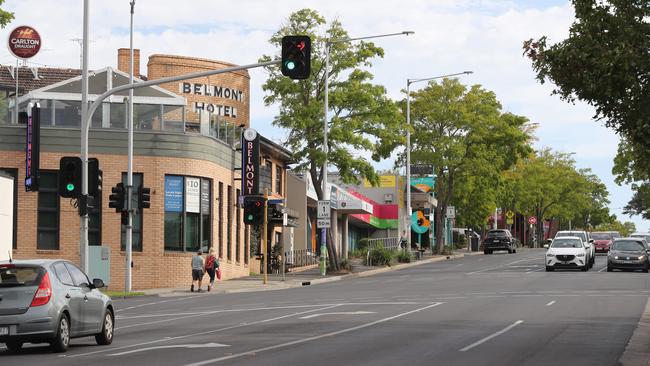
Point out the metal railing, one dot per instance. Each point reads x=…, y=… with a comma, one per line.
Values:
x=392, y=244
x=300, y=258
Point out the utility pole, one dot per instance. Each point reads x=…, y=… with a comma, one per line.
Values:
x=129, y=174
x=264, y=236
x=85, y=122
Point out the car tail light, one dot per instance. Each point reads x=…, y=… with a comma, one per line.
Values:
x=44, y=292
x=7, y=266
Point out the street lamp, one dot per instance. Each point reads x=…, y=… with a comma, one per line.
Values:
x=408, y=139
x=328, y=44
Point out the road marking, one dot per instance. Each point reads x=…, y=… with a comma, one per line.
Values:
x=504, y=265
x=551, y=303
x=165, y=339
x=481, y=341
x=304, y=340
x=207, y=345
x=337, y=313
x=602, y=269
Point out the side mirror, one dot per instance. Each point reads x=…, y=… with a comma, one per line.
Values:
x=98, y=283
x=591, y=240
x=549, y=240
x=545, y=246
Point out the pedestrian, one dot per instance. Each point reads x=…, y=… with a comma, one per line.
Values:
x=403, y=241
x=197, y=269
x=211, y=266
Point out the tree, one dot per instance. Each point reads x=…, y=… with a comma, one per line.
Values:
x=604, y=62
x=464, y=134
x=363, y=120
x=624, y=229
x=632, y=166
x=5, y=16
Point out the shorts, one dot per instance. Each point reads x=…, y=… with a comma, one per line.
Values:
x=197, y=274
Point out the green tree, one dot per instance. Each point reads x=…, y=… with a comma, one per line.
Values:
x=624, y=229
x=5, y=16
x=363, y=120
x=632, y=166
x=464, y=134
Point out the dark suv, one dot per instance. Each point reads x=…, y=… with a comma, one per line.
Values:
x=499, y=240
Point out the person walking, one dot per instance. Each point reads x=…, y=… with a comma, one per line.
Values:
x=211, y=266
x=197, y=269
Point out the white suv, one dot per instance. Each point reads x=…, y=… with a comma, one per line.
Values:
x=586, y=240
x=567, y=252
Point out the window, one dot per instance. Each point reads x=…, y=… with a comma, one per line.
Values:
x=48, y=211
x=220, y=220
x=95, y=221
x=136, y=242
x=79, y=278
x=265, y=176
x=12, y=172
x=229, y=224
x=278, y=179
x=188, y=213
x=238, y=229
x=63, y=274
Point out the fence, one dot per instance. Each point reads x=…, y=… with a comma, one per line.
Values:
x=300, y=258
x=392, y=244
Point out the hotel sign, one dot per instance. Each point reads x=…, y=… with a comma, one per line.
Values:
x=250, y=163
x=24, y=42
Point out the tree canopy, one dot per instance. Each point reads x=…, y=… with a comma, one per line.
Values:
x=5, y=16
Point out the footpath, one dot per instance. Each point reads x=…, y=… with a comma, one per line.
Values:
x=307, y=276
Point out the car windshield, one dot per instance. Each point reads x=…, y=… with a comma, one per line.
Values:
x=579, y=234
x=615, y=234
x=601, y=236
x=497, y=234
x=566, y=243
x=12, y=276
x=628, y=245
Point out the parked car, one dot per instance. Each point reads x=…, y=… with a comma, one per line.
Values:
x=645, y=236
x=586, y=240
x=51, y=301
x=602, y=241
x=499, y=240
x=568, y=252
x=628, y=253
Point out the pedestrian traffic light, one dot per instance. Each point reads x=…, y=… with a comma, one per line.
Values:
x=144, y=197
x=70, y=177
x=94, y=178
x=253, y=210
x=296, y=57
x=124, y=219
x=117, y=198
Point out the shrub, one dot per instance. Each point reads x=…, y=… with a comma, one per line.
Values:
x=381, y=256
x=363, y=244
x=358, y=253
x=404, y=256
x=346, y=265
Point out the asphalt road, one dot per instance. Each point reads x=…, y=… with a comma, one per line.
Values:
x=500, y=309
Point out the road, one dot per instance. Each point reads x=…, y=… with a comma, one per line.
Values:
x=500, y=309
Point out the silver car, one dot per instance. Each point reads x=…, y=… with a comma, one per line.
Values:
x=51, y=301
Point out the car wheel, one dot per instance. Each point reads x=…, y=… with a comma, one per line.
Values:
x=584, y=268
x=549, y=269
x=106, y=336
x=609, y=269
x=14, y=346
x=61, y=341
x=645, y=270
x=485, y=252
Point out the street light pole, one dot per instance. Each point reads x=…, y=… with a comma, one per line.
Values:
x=408, y=141
x=325, y=195
x=129, y=174
x=83, y=227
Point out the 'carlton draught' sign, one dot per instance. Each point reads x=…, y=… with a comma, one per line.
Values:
x=24, y=42
x=250, y=162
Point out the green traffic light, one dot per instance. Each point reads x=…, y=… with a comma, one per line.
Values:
x=70, y=187
x=290, y=65
x=250, y=217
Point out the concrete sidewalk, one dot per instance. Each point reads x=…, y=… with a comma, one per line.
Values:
x=305, y=277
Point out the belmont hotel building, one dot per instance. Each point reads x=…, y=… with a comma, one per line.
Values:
x=186, y=137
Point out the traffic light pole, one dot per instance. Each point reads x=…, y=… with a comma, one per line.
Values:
x=265, y=257
x=129, y=174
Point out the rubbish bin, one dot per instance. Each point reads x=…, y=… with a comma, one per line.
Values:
x=475, y=244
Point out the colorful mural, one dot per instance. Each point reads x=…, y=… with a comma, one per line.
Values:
x=384, y=216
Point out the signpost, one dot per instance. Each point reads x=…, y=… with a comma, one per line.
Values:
x=532, y=220
x=324, y=214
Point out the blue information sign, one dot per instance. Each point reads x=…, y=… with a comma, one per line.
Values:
x=173, y=193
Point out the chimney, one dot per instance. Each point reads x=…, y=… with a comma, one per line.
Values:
x=123, y=61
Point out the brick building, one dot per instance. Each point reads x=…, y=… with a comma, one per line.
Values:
x=186, y=137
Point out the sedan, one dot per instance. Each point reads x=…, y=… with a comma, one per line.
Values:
x=602, y=241
x=628, y=253
x=51, y=301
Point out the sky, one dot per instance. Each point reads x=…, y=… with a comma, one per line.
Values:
x=484, y=36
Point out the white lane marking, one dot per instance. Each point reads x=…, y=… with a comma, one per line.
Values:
x=304, y=340
x=602, y=269
x=503, y=265
x=551, y=303
x=165, y=339
x=483, y=340
x=337, y=313
x=207, y=345
x=155, y=303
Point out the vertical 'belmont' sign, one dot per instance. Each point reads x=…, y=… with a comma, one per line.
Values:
x=250, y=163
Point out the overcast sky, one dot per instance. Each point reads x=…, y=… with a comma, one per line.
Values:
x=484, y=36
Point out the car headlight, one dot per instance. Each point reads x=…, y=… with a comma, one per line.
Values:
x=550, y=255
x=615, y=257
x=580, y=255
x=641, y=257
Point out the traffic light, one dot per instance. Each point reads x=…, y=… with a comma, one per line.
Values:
x=253, y=210
x=296, y=57
x=144, y=197
x=125, y=218
x=94, y=178
x=70, y=177
x=117, y=198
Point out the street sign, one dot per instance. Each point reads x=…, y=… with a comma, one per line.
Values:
x=510, y=214
x=451, y=212
x=322, y=223
x=324, y=210
x=532, y=220
x=509, y=221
